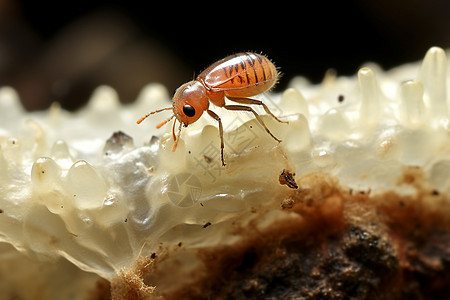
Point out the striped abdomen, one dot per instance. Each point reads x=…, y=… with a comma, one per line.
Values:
x=240, y=75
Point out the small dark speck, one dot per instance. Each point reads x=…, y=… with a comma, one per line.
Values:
x=74, y=195
x=153, y=256
x=341, y=98
x=62, y=206
x=1, y=211
x=13, y=142
x=180, y=244
x=42, y=172
x=435, y=193
x=189, y=151
x=287, y=178
x=207, y=159
x=201, y=204
x=126, y=220
x=251, y=126
x=207, y=224
x=401, y=203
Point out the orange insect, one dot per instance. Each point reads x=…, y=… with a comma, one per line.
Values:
x=236, y=77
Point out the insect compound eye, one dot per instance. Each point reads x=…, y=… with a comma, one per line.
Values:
x=188, y=110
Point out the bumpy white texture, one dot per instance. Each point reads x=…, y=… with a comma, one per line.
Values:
x=67, y=189
x=385, y=121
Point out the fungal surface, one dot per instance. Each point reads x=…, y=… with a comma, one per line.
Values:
x=353, y=203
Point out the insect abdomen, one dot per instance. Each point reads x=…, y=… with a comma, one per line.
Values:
x=240, y=75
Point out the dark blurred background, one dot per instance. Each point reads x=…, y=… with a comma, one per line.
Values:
x=63, y=51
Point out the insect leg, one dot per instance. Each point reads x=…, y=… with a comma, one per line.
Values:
x=246, y=108
x=256, y=102
x=217, y=118
x=177, y=137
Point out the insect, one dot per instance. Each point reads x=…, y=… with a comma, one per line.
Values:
x=287, y=178
x=236, y=77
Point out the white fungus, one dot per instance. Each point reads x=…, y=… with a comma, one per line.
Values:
x=71, y=191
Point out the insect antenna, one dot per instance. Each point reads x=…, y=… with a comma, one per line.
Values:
x=153, y=112
x=164, y=122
